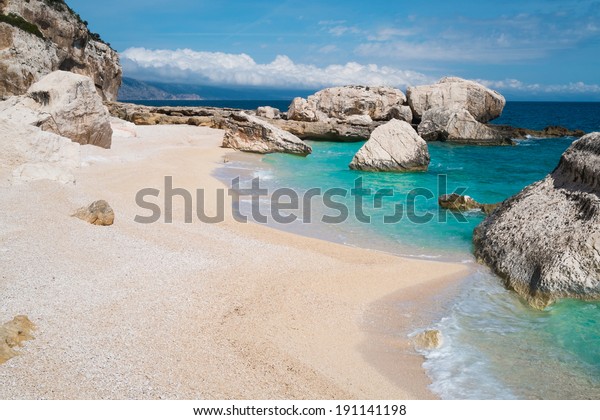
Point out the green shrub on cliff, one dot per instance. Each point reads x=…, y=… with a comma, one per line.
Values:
x=18, y=22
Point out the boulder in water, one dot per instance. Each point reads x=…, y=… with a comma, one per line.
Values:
x=452, y=92
x=545, y=241
x=393, y=147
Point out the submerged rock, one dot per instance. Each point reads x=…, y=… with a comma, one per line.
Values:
x=457, y=202
x=393, y=147
x=452, y=92
x=251, y=134
x=377, y=102
x=428, y=340
x=98, y=213
x=545, y=241
x=524, y=133
x=12, y=334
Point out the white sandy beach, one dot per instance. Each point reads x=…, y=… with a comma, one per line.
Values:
x=196, y=311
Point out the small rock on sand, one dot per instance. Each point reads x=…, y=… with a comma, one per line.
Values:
x=98, y=213
x=12, y=334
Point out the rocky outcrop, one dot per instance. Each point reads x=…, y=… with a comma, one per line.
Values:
x=524, y=133
x=149, y=115
x=461, y=203
x=38, y=37
x=63, y=103
x=12, y=334
x=331, y=130
x=251, y=134
x=353, y=128
x=458, y=125
x=452, y=92
x=302, y=110
x=98, y=213
x=268, y=112
x=545, y=241
x=393, y=147
x=340, y=103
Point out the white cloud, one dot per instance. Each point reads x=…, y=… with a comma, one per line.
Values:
x=386, y=34
x=218, y=68
x=507, y=38
x=519, y=86
x=474, y=50
x=341, y=30
x=326, y=49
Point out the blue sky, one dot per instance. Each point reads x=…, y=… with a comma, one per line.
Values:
x=525, y=49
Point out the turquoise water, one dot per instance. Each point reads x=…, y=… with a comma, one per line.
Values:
x=488, y=174
x=495, y=346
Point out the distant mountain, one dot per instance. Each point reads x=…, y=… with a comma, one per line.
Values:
x=132, y=89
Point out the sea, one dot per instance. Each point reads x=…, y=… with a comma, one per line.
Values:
x=495, y=345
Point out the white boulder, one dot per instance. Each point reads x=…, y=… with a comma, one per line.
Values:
x=452, y=92
x=393, y=147
x=378, y=102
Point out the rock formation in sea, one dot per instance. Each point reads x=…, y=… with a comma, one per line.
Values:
x=38, y=37
x=545, y=241
x=251, y=134
x=343, y=103
x=452, y=92
x=464, y=203
x=458, y=125
x=393, y=147
x=63, y=103
x=354, y=128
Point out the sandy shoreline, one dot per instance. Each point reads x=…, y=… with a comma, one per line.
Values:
x=190, y=311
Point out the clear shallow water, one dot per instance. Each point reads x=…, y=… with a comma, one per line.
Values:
x=489, y=174
x=495, y=345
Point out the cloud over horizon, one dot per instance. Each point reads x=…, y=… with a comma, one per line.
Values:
x=218, y=68
x=224, y=69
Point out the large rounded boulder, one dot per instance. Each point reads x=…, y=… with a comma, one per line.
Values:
x=457, y=125
x=393, y=147
x=545, y=241
x=376, y=102
x=452, y=92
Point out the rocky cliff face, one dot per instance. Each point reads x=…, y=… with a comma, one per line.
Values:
x=38, y=37
x=545, y=241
